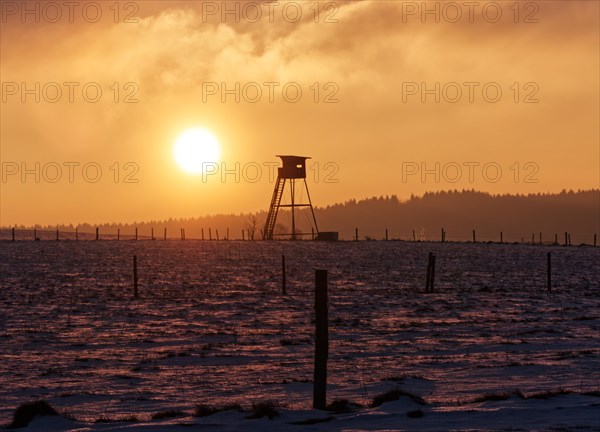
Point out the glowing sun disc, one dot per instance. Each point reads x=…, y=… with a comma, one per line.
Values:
x=194, y=149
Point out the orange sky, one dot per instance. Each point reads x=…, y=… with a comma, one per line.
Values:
x=379, y=128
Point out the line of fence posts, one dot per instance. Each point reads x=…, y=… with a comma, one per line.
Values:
x=246, y=235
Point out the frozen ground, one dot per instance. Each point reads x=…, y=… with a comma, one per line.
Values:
x=211, y=327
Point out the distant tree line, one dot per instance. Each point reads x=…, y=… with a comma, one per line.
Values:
x=457, y=212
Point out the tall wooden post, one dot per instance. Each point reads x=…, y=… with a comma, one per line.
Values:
x=136, y=233
x=243, y=235
x=566, y=238
x=414, y=236
x=555, y=238
x=13, y=235
x=432, y=280
x=430, y=273
x=595, y=235
x=135, y=277
x=474, y=238
x=386, y=234
x=283, y=287
x=97, y=233
x=152, y=233
x=501, y=237
x=76, y=233
x=321, y=341
x=217, y=231
x=355, y=234
x=56, y=234
x=428, y=276
x=165, y=234
x=118, y=234
x=549, y=271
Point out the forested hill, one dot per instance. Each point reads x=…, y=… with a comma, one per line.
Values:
x=460, y=212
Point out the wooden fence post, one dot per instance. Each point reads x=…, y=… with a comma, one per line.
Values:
x=135, y=277
x=283, y=287
x=549, y=271
x=97, y=233
x=321, y=341
x=430, y=273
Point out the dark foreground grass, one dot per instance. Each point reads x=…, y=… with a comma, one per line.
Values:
x=264, y=409
x=394, y=395
x=341, y=406
x=207, y=410
x=492, y=397
x=167, y=414
x=26, y=412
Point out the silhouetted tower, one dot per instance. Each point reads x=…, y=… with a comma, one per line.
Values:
x=293, y=169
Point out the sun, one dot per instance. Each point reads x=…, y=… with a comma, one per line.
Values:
x=194, y=149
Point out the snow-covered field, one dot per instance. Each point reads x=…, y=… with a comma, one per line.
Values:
x=211, y=327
